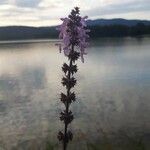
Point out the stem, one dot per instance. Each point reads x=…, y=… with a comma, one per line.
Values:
x=67, y=104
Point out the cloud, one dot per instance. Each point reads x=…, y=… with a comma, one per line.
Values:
x=3, y=2
x=26, y=3
x=51, y=4
x=48, y=12
x=120, y=8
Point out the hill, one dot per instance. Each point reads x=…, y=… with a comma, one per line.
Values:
x=26, y=32
x=99, y=28
x=119, y=21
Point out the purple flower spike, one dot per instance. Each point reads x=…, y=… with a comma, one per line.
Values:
x=78, y=36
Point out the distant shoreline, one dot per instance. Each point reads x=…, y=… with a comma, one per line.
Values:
x=24, y=41
x=28, y=41
x=100, y=28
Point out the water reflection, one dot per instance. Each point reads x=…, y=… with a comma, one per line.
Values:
x=113, y=93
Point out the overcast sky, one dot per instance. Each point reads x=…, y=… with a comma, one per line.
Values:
x=48, y=12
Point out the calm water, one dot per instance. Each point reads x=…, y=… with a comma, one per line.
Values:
x=113, y=93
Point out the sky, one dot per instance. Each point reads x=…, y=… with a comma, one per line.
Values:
x=48, y=12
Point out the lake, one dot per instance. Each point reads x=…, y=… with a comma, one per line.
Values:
x=113, y=95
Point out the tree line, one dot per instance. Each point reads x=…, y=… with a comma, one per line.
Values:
x=23, y=32
x=119, y=30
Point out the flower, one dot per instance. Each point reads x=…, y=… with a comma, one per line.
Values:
x=73, y=32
